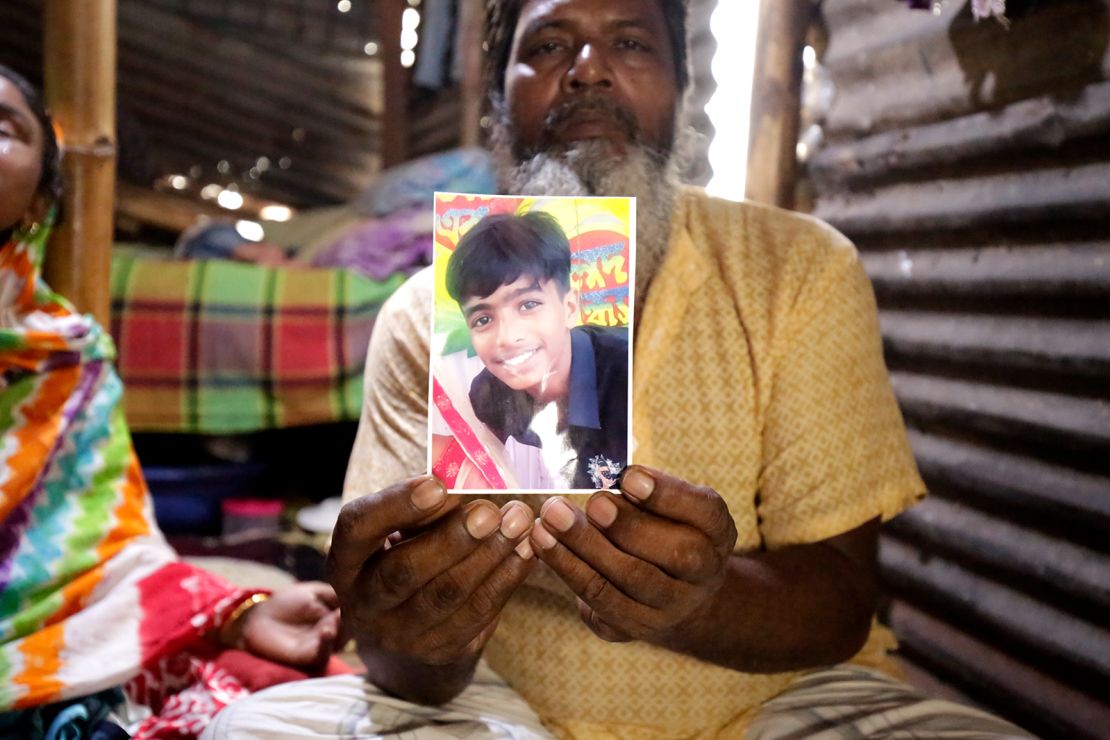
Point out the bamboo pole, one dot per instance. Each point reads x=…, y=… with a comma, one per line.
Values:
x=80, y=82
x=776, y=101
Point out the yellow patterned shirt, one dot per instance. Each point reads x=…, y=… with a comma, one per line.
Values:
x=758, y=371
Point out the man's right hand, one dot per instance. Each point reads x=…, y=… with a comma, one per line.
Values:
x=421, y=579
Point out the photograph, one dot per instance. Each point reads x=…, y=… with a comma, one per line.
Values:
x=531, y=365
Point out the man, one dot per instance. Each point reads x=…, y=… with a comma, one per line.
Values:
x=699, y=602
x=549, y=387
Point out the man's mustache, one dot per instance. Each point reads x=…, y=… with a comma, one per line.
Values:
x=563, y=114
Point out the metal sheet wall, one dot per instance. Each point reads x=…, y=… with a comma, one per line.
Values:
x=971, y=165
x=202, y=82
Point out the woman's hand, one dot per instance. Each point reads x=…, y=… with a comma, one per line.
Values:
x=297, y=626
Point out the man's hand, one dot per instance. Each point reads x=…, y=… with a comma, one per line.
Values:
x=298, y=626
x=657, y=565
x=422, y=578
x=653, y=560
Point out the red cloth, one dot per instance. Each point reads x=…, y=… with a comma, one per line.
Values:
x=186, y=690
x=186, y=677
x=255, y=673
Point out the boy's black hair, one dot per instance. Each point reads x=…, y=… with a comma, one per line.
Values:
x=502, y=17
x=499, y=249
x=50, y=183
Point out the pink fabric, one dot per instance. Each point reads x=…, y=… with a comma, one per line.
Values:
x=447, y=467
x=252, y=507
x=475, y=451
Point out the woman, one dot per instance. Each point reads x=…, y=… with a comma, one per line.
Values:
x=92, y=598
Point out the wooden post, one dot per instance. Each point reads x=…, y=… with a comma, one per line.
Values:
x=472, y=23
x=80, y=86
x=776, y=101
x=395, y=133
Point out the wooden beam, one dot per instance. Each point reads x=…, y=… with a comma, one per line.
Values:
x=169, y=212
x=80, y=82
x=776, y=100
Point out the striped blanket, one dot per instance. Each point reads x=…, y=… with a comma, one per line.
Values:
x=223, y=347
x=91, y=596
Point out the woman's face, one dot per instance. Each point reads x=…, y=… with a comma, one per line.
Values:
x=21, y=142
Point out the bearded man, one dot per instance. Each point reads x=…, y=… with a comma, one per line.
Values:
x=731, y=588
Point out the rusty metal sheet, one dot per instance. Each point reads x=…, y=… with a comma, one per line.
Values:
x=1065, y=269
x=1004, y=610
x=1043, y=562
x=1037, y=699
x=1035, y=417
x=1014, y=197
x=195, y=91
x=1076, y=346
x=1059, y=496
x=971, y=166
x=1046, y=122
x=895, y=68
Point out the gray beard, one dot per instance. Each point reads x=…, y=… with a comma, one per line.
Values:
x=592, y=168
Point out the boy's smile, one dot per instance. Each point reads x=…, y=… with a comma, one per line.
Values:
x=521, y=332
x=516, y=361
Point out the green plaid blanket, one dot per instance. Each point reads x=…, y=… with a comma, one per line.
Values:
x=223, y=347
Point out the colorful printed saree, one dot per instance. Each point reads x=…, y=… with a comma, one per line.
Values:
x=91, y=596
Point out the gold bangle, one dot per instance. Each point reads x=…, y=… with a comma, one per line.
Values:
x=240, y=611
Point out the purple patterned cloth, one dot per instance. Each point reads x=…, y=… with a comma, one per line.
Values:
x=382, y=247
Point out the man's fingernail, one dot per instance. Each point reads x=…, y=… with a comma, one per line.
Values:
x=482, y=521
x=542, y=537
x=638, y=485
x=524, y=549
x=601, y=511
x=558, y=514
x=428, y=495
x=514, y=520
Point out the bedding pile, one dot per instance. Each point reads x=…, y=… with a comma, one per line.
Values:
x=220, y=347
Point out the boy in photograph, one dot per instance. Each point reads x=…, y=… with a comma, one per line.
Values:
x=548, y=383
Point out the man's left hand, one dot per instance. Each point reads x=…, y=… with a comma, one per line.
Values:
x=645, y=565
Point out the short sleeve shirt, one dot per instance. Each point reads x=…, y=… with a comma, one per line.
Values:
x=758, y=371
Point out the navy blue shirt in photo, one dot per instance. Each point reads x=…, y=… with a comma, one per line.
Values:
x=596, y=409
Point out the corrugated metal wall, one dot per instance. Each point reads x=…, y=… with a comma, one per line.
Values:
x=971, y=165
x=237, y=81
